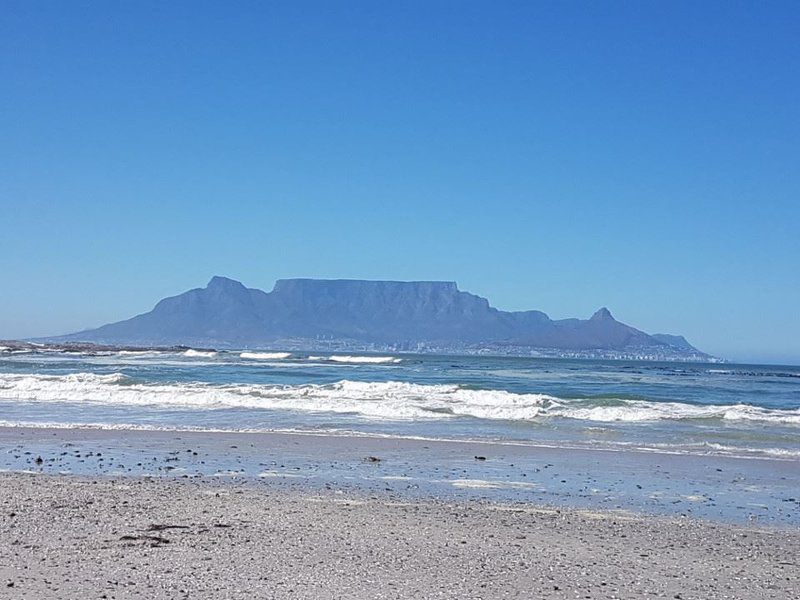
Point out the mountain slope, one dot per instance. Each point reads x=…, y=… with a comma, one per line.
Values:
x=226, y=313
x=676, y=341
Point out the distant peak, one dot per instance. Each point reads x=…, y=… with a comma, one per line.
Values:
x=223, y=282
x=602, y=314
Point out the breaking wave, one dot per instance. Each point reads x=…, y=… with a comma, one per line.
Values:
x=374, y=400
x=200, y=353
x=265, y=355
x=359, y=359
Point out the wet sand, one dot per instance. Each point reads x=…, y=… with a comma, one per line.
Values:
x=735, y=490
x=76, y=537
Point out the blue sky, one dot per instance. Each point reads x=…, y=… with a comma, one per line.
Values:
x=553, y=155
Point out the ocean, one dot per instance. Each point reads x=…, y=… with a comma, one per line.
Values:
x=750, y=411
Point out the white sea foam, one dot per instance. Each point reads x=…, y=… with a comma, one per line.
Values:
x=265, y=355
x=199, y=353
x=381, y=400
x=489, y=484
x=363, y=359
x=376, y=400
x=776, y=452
x=642, y=411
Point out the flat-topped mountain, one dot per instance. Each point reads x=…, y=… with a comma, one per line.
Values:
x=357, y=314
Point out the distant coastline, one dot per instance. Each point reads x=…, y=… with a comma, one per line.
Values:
x=341, y=346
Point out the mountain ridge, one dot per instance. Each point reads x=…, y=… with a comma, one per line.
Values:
x=354, y=313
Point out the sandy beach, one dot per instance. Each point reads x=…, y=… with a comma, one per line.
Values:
x=74, y=537
x=145, y=514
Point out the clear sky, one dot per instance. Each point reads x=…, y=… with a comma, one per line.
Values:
x=552, y=155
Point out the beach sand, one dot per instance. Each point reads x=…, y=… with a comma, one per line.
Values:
x=93, y=513
x=77, y=537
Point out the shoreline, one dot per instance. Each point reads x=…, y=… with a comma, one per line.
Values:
x=712, y=488
x=133, y=537
x=765, y=455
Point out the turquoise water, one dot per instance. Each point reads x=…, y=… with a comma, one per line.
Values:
x=727, y=409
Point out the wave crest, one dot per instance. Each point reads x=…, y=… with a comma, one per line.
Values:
x=378, y=360
x=199, y=353
x=265, y=355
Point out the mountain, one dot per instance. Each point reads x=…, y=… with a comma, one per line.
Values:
x=676, y=341
x=356, y=314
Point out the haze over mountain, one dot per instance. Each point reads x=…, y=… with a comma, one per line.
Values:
x=357, y=314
